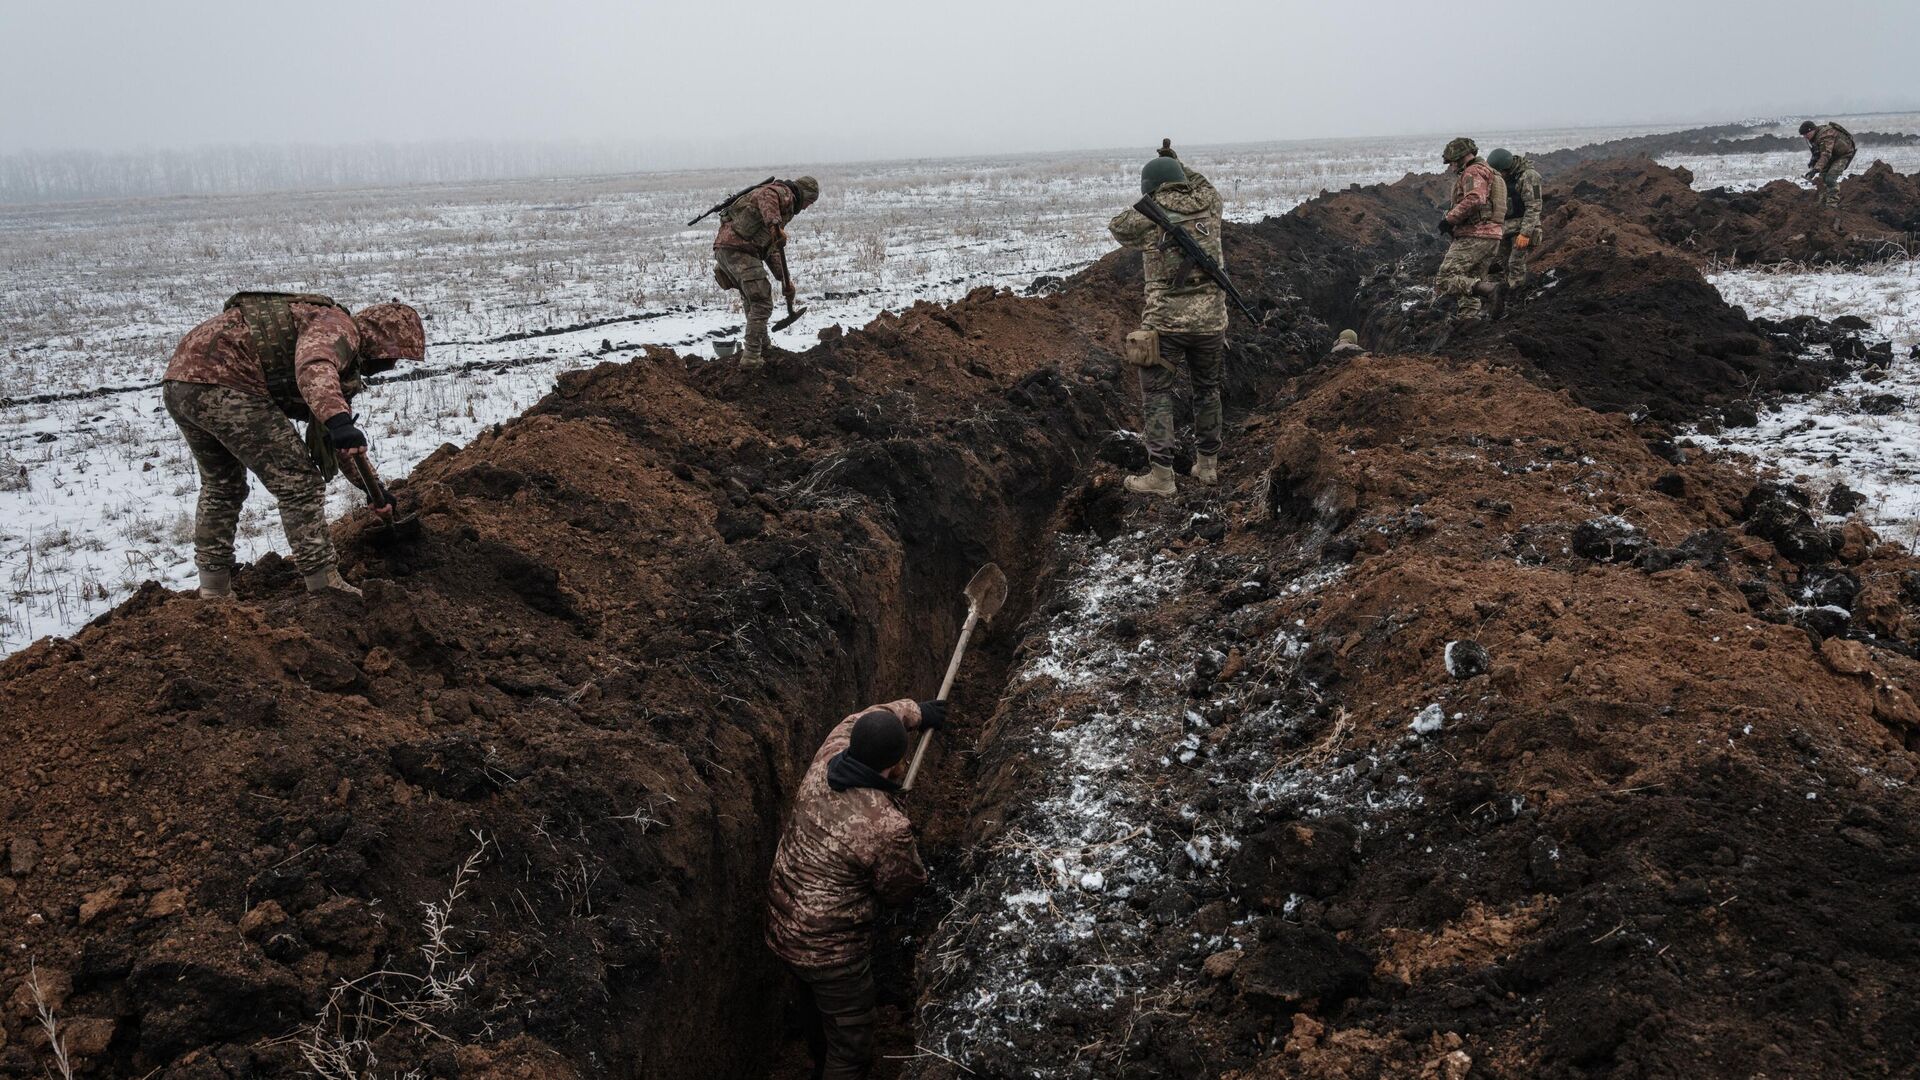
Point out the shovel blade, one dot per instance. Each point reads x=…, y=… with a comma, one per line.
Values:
x=987, y=591
x=792, y=317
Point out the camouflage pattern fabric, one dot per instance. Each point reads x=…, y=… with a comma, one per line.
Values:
x=222, y=352
x=745, y=272
x=840, y=1018
x=1523, y=188
x=231, y=433
x=1479, y=203
x=1181, y=299
x=1463, y=266
x=843, y=852
x=390, y=332
x=1204, y=356
x=1830, y=179
x=1509, y=264
x=1830, y=142
x=756, y=223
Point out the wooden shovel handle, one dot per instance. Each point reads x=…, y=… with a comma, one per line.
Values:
x=946, y=687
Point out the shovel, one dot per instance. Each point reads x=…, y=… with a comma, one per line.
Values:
x=985, y=593
x=393, y=526
x=792, y=317
x=787, y=280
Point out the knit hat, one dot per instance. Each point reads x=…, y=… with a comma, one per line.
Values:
x=879, y=740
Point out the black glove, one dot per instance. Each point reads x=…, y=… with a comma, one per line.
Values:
x=1811, y=173
x=342, y=435
x=933, y=715
x=1446, y=227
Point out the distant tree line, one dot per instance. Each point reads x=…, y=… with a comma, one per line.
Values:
x=64, y=175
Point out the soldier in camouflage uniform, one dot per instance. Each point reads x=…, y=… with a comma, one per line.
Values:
x=1185, y=320
x=1833, y=151
x=847, y=848
x=1475, y=224
x=752, y=238
x=235, y=384
x=1521, y=232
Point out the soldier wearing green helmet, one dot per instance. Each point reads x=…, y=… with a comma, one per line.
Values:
x=1185, y=320
x=1520, y=234
x=1474, y=225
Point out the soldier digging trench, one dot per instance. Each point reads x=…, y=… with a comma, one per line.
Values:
x=753, y=239
x=846, y=849
x=1832, y=154
x=235, y=384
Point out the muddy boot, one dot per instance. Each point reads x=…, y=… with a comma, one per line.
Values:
x=216, y=584
x=1156, y=481
x=1499, y=308
x=329, y=582
x=1206, y=468
x=751, y=361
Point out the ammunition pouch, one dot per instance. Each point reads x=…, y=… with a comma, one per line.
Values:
x=1142, y=348
x=321, y=451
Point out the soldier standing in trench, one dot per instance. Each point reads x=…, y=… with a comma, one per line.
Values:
x=1521, y=230
x=752, y=238
x=1185, y=320
x=234, y=385
x=1474, y=224
x=1833, y=150
x=847, y=848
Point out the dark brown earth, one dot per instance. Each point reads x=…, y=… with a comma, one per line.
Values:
x=635, y=610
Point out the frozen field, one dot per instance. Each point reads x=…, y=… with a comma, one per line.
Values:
x=96, y=492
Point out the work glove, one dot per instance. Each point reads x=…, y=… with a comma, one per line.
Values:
x=342, y=435
x=1522, y=240
x=933, y=715
x=1446, y=227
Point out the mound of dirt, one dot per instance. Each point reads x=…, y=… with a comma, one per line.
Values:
x=1245, y=812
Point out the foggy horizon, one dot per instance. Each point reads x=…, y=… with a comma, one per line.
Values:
x=854, y=80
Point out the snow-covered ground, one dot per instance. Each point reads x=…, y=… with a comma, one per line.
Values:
x=1831, y=437
x=96, y=493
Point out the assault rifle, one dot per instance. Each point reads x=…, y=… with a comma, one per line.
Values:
x=1192, y=254
x=731, y=199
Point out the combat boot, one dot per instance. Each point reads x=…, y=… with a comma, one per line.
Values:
x=1499, y=309
x=1156, y=481
x=330, y=582
x=1206, y=468
x=216, y=584
x=752, y=361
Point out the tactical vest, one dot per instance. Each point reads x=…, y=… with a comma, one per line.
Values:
x=1515, y=206
x=1844, y=134
x=270, y=324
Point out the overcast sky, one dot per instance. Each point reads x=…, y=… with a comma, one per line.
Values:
x=828, y=79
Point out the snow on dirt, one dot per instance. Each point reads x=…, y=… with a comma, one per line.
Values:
x=1865, y=431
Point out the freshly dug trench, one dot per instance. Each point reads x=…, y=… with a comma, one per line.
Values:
x=1237, y=815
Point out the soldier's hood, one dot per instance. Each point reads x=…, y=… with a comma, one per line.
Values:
x=390, y=332
x=1194, y=196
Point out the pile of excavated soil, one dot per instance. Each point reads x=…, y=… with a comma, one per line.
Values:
x=1242, y=812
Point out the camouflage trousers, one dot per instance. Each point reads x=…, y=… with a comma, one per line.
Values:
x=232, y=433
x=1464, y=266
x=1204, y=356
x=1510, y=263
x=1830, y=180
x=840, y=1018
x=746, y=272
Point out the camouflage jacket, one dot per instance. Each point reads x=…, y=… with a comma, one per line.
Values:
x=1523, y=199
x=842, y=853
x=1479, y=203
x=220, y=352
x=1176, y=303
x=1830, y=143
x=757, y=221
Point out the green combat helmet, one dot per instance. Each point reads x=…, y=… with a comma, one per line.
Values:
x=809, y=190
x=1501, y=160
x=1459, y=150
x=1163, y=169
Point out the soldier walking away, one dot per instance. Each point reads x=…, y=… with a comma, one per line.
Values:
x=753, y=239
x=847, y=848
x=1521, y=232
x=1185, y=320
x=234, y=385
x=1475, y=224
x=1832, y=155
